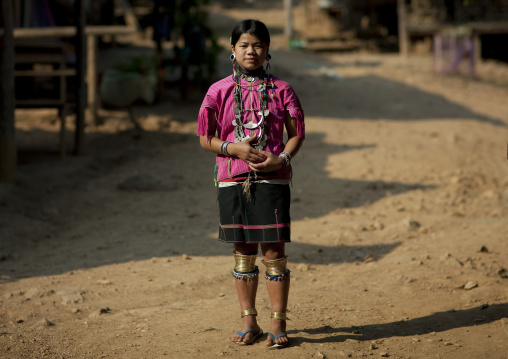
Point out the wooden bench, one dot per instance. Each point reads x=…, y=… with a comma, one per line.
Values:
x=45, y=61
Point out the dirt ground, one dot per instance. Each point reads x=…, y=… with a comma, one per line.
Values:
x=400, y=207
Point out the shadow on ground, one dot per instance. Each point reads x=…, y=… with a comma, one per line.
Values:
x=88, y=221
x=55, y=202
x=433, y=323
x=372, y=97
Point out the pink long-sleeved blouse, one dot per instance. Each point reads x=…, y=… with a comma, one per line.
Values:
x=216, y=119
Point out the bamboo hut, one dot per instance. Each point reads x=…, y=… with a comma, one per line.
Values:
x=413, y=25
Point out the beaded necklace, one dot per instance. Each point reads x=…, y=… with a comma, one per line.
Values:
x=239, y=110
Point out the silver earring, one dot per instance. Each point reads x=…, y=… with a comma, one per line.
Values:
x=232, y=57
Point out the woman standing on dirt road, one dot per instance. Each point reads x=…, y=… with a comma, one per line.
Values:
x=242, y=120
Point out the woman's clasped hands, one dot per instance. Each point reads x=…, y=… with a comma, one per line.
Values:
x=258, y=160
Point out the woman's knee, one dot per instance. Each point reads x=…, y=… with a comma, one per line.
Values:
x=246, y=248
x=273, y=251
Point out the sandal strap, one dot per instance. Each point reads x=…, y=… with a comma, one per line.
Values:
x=246, y=332
x=251, y=311
x=277, y=336
x=279, y=315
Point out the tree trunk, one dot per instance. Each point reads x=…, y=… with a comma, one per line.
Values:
x=7, y=128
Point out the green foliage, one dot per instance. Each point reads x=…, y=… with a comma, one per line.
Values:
x=140, y=64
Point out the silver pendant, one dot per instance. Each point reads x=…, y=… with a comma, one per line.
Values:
x=239, y=134
x=251, y=125
x=262, y=143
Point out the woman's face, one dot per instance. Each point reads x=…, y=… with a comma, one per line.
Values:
x=250, y=51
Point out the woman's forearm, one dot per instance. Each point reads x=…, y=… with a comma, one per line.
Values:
x=293, y=145
x=211, y=144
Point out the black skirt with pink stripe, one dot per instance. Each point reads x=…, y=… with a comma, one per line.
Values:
x=263, y=218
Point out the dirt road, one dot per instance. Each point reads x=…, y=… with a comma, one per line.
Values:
x=400, y=207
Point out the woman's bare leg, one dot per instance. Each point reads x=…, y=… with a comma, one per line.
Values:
x=278, y=292
x=246, y=291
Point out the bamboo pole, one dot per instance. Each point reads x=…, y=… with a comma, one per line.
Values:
x=7, y=128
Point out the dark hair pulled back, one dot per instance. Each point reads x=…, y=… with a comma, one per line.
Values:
x=253, y=27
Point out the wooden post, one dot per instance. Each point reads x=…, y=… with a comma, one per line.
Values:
x=477, y=45
x=8, y=152
x=91, y=78
x=438, y=52
x=288, y=29
x=80, y=43
x=403, y=33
